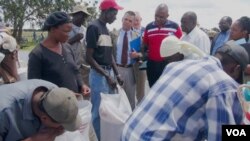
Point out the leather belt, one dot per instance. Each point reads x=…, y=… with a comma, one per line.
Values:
x=106, y=67
x=124, y=66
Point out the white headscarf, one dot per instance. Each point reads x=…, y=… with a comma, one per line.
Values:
x=172, y=45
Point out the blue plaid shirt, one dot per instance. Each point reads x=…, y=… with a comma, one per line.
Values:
x=190, y=102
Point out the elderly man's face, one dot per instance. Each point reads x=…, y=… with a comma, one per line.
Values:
x=137, y=22
x=187, y=24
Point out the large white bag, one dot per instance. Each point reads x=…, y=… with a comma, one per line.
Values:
x=83, y=133
x=1, y=57
x=114, y=111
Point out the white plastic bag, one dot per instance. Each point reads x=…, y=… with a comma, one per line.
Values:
x=114, y=111
x=83, y=133
x=1, y=57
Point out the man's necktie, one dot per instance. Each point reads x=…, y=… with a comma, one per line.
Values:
x=125, y=49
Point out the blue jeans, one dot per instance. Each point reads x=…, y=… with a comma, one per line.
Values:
x=98, y=84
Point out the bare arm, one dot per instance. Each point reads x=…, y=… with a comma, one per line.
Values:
x=93, y=63
x=98, y=68
x=75, y=38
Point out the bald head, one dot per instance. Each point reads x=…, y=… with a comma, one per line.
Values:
x=162, y=6
x=161, y=14
x=188, y=21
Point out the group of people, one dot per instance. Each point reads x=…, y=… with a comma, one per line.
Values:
x=193, y=81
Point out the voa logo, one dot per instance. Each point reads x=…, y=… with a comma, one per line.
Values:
x=236, y=132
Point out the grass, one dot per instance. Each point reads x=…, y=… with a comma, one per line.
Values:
x=28, y=43
x=28, y=46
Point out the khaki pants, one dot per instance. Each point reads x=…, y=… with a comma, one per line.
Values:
x=140, y=79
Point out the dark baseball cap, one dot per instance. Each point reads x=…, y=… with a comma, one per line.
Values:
x=237, y=52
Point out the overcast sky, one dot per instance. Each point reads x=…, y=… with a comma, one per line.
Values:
x=208, y=12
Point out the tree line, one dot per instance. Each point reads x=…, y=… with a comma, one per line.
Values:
x=19, y=12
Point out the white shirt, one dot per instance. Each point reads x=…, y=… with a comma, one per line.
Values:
x=198, y=38
x=119, y=45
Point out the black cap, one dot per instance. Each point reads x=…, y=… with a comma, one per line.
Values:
x=55, y=19
x=237, y=52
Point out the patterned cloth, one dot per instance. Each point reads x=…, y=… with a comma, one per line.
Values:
x=189, y=102
x=153, y=35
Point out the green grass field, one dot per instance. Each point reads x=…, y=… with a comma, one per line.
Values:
x=28, y=42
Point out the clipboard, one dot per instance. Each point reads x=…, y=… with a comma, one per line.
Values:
x=136, y=44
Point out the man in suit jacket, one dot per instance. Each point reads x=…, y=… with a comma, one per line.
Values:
x=125, y=69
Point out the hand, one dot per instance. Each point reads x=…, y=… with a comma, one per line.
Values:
x=79, y=36
x=46, y=134
x=111, y=82
x=120, y=80
x=85, y=90
x=134, y=54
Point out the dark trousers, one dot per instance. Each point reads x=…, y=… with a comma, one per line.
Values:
x=154, y=71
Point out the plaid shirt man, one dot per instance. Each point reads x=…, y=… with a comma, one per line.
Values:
x=190, y=102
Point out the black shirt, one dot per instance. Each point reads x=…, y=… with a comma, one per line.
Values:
x=98, y=38
x=58, y=69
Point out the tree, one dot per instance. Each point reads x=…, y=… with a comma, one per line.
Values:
x=18, y=12
x=92, y=9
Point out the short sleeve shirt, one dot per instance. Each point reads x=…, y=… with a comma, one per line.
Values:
x=98, y=38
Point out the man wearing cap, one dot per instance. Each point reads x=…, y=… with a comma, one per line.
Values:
x=100, y=57
x=36, y=110
x=77, y=39
x=191, y=100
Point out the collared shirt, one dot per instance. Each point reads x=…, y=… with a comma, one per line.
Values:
x=190, y=102
x=17, y=119
x=139, y=31
x=198, y=38
x=220, y=40
x=153, y=35
x=119, y=45
x=240, y=41
x=78, y=47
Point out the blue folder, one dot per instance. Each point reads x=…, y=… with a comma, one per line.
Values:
x=136, y=44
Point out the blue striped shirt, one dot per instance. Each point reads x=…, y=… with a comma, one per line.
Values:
x=190, y=102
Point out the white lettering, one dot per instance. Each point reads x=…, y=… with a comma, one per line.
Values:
x=236, y=132
x=229, y=132
x=242, y=132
